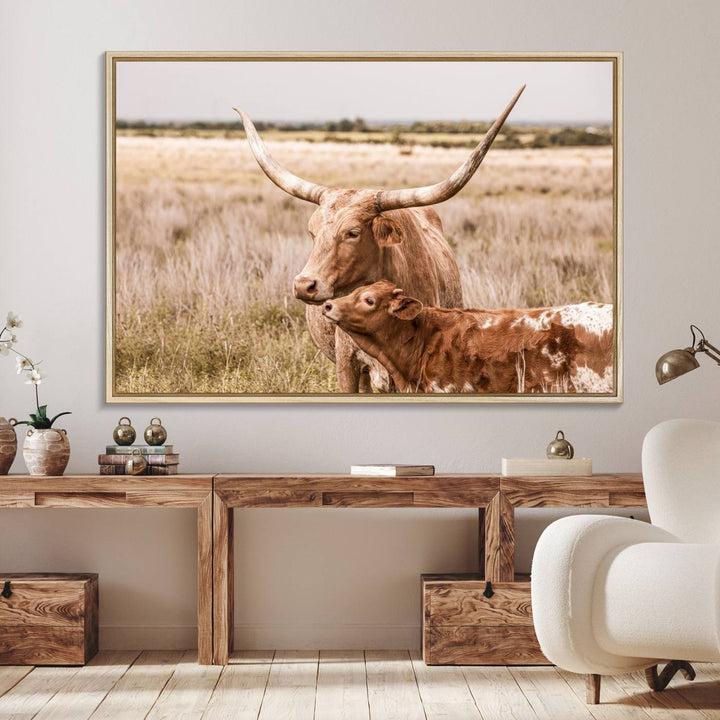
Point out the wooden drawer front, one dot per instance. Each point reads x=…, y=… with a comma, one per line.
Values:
x=482, y=646
x=463, y=603
x=43, y=602
x=463, y=627
x=48, y=619
x=42, y=646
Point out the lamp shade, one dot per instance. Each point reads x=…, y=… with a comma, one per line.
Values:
x=675, y=363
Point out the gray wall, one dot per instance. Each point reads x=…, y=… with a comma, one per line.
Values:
x=315, y=577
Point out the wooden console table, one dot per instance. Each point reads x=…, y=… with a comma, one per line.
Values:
x=92, y=491
x=215, y=498
x=495, y=497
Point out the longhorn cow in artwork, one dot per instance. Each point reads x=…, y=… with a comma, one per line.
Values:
x=363, y=236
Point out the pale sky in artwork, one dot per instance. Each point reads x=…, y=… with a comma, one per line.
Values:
x=557, y=92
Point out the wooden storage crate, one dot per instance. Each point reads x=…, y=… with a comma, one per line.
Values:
x=461, y=626
x=48, y=618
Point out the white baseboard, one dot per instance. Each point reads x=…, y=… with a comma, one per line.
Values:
x=327, y=637
x=265, y=637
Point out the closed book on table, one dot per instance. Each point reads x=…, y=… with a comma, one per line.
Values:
x=392, y=470
x=48, y=618
x=144, y=449
x=172, y=459
x=162, y=469
x=149, y=470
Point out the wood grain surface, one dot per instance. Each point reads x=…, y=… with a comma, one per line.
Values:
x=80, y=499
x=341, y=691
x=92, y=617
x=103, y=483
x=240, y=691
x=34, y=691
x=548, y=694
x=126, y=491
x=503, y=645
x=291, y=686
x=188, y=691
x=223, y=580
x=497, y=694
x=610, y=490
x=481, y=542
x=28, y=645
x=138, y=689
x=495, y=497
x=43, y=602
x=356, y=491
x=461, y=625
x=392, y=687
x=394, y=684
x=464, y=604
x=49, y=619
x=11, y=675
x=367, y=498
x=87, y=688
x=444, y=691
x=499, y=540
x=205, y=578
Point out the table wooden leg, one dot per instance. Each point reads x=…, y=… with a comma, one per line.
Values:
x=500, y=540
x=223, y=581
x=481, y=541
x=205, y=581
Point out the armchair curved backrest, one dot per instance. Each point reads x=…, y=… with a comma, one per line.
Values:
x=681, y=471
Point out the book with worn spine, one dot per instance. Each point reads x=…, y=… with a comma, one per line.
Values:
x=144, y=449
x=149, y=470
x=392, y=470
x=172, y=459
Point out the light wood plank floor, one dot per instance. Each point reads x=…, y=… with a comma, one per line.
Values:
x=346, y=685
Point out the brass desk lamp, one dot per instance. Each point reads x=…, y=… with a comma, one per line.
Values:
x=677, y=362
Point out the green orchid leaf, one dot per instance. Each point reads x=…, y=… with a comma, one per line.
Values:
x=42, y=411
x=67, y=412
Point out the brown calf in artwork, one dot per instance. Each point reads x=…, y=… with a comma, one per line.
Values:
x=566, y=349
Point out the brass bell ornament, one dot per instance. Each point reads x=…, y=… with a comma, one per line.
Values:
x=124, y=433
x=155, y=433
x=136, y=463
x=560, y=448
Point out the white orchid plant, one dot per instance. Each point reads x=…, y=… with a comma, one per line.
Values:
x=29, y=369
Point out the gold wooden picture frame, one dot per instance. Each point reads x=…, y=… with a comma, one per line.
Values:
x=511, y=291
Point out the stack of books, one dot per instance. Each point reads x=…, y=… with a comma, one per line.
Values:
x=161, y=459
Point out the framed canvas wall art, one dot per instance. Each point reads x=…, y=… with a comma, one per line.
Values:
x=364, y=227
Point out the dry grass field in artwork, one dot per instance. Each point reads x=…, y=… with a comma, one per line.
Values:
x=207, y=247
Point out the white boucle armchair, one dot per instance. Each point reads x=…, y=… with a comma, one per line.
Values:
x=613, y=595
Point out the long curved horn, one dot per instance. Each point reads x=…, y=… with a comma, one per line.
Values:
x=431, y=194
x=283, y=178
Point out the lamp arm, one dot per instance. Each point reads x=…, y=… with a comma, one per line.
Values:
x=710, y=350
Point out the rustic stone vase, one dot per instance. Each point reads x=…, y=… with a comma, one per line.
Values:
x=46, y=451
x=8, y=444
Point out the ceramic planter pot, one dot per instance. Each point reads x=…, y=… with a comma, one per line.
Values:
x=8, y=444
x=46, y=452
